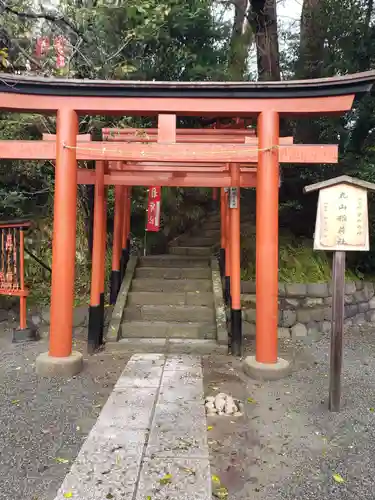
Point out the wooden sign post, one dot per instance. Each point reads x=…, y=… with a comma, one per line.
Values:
x=341, y=226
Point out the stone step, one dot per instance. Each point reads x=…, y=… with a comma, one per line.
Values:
x=202, y=241
x=163, y=329
x=208, y=225
x=174, y=273
x=161, y=345
x=169, y=286
x=210, y=233
x=179, y=314
x=171, y=260
x=197, y=251
x=195, y=298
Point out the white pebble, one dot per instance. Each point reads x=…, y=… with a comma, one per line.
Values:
x=209, y=406
x=219, y=403
x=210, y=399
x=238, y=414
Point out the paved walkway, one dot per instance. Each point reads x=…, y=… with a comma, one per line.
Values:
x=150, y=439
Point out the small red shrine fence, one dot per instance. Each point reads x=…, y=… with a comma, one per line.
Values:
x=12, y=264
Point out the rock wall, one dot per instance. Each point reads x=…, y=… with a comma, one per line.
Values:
x=306, y=309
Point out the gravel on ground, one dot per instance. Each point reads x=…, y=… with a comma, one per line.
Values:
x=43, y=422
x=288, y=445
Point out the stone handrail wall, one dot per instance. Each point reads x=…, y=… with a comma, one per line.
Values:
x=306, y=309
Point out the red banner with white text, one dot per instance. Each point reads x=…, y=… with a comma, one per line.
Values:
x=153, y=209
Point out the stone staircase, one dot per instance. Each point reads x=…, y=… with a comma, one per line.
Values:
x=171, y=296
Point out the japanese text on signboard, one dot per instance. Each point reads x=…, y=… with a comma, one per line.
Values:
x=342, y=220
x=153, y=209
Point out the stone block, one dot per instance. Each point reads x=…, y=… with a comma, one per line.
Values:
x=372, y=303
x=283, y=333
x=291, y=303
x=325, y=326
x=318, y=314
x=299, y=330
x=351, y=310
x=248, y=287
x=348, y=299
x=328, y=301
x=281, y=289
x=250, y=315
x=359, y=319
x=359, y=285
x=177, y=431
x=249, y=300
x=328, y=313
x=369, y=290
x=348, y=322
x=359, y=296
x=288, y=318
x=350, y=288
x=313, y=302
x=312, y=327
x=296, y=290
x=184, y=385
x=248, y=329
x=363, y=307
x=191, y=479
x=370, y=316
x=317, y=290
x=80, y=316
x=304, y=315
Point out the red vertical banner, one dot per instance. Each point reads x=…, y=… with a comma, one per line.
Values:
x=153, y=209
x=42, y=46
x=59, y=44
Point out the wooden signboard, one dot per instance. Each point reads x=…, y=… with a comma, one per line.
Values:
x=341, y=226
x=342, y=219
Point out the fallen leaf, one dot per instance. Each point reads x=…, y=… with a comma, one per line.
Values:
x=215, y=479
x=372, y=410
x=15, y=401
x=60, y=460
x=251, y=400
x=109, y=496
x=221, y=492
x=166, y=479
x=338, y=478
x=68, y=494
x=189, y=471
x=148, y=497
x=209, y=427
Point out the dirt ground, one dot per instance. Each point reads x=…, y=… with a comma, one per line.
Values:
x=288, y=445
x=43, y=422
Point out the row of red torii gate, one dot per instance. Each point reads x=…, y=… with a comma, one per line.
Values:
x=169, y=156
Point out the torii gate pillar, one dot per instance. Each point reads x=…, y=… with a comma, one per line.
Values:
x=266, y=364
x=60, y=360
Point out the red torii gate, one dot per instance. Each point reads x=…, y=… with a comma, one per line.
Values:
x=266, y=101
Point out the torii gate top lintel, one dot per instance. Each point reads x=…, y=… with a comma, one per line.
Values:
x=322, y=96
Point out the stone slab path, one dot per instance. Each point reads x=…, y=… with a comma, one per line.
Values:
x=150, y=440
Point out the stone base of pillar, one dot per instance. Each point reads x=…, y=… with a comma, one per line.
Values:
x=101, y=318
x=115, y=285
x=49, y=366
x=222, y=261
x=124, y=261
x=227, y=290
x=266, y=371
x=95, y=334
x=236, y=332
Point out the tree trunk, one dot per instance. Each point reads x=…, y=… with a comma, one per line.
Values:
x=263, y=19
x=240, y=42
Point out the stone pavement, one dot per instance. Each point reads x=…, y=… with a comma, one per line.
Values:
x=149, y=441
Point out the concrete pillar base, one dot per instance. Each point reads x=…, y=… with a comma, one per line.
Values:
x=266, y=371
x=50, y=366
